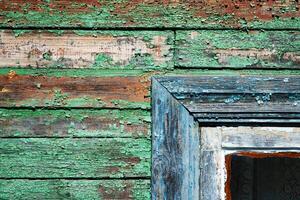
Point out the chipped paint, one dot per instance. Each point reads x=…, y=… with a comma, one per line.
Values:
x=109, y=92
x=87, y=77
x=106, y=14
x=237, y=49
x=94, y=157
x=74, y=189
x=87, y=49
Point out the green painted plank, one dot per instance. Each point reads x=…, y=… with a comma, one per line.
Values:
x=237, y=49
x=55, y=72
x=74, y=189
x=144, y=50
x=74, y=123
x=74, y=158
x=139, y=73
x=126, y=13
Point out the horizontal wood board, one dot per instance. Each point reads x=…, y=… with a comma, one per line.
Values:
x=74, y=123
x=74, y=189
x=87, y=92
x=89, y=158
x=154, y=14
x=251, y=97
x=238, y=49
x=260, y=137
x=58, y=49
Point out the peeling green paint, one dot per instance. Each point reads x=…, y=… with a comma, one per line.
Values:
x=105, y=143
x=74, y=189
x=20, y=32
x=75, y=72
x=85, y=101
x=58, y=99
x=102, y=61
x=237, y=49
x=141, y=15
x=47, y=56
x=126, y=104
x=75, y=158
x=147, y=50
x=74, y=123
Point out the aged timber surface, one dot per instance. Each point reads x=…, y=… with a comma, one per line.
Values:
x=238, y=49
x=43, y=91
x=175, y=148
x=260, y=137
x=74, y=123
x=86, y=49
x=182, y=13
x=74, y=158
x=236, y=94
x=74, y=189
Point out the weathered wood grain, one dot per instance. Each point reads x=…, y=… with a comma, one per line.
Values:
x=188, y=86
x=266, y=107
x=253, y=118
x=76, y=72
x=86, y=49
x=239, y=94
x=74, y=189
x=259, y=137
x=74, y=123
x=74, y=158
x=219, y=141
x=182, y=13
x=212, y=161
x=48, y=91
x=253, y=98
x=175, y=148
x=238, y=49
x=231, y=72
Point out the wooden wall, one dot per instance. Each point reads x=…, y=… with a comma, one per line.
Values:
x=75, y=79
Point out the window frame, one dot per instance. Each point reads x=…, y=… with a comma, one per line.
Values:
x=182, y=105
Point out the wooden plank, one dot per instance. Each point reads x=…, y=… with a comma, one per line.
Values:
x=238, y=49
x=211, y=178
x=90, y=72
x=212, y=162
x=74, y=158
x=236, y=94
x=251, y=118
x=74, y=189
x=193, y=86
x=231, y=72
x=257, y=107
x=260, y=137
x=188, y=14
x=175, y=148
x=74, y=123
x=86, y=49
x=43, y=91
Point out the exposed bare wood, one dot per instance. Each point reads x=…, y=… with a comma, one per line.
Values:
x=42, y=91
x=175, y=148
x=86, y=49
x=260, y=137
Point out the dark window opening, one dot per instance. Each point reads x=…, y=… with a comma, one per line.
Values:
x=263, y=176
